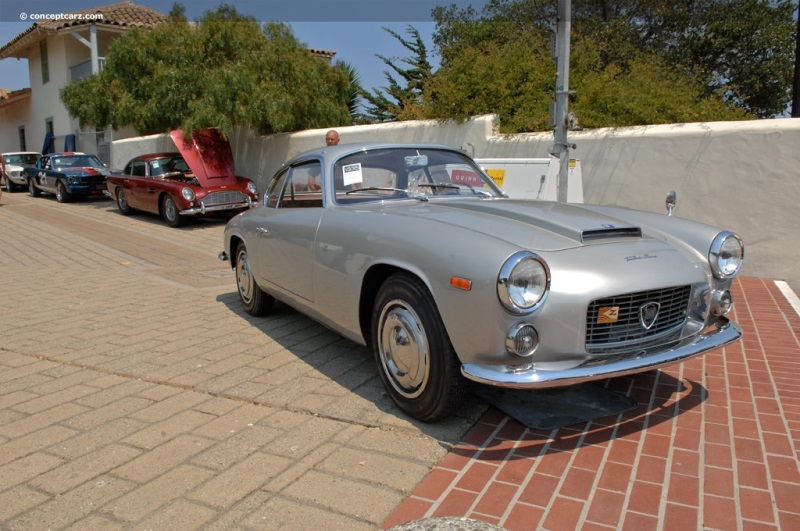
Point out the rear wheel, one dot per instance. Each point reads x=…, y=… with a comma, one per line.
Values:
x=32, y=190
x=122, y=203
x=62, y=195
x=169, y=210
x=254, y=300
x=415, y=358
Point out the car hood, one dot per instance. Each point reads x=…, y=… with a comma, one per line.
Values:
x=208, y=155
x=87, y=170
x=558, y=225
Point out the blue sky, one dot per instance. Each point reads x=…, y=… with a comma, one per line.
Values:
x=351, y=28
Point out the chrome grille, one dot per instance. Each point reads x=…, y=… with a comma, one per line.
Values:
x=224, y=198
x=626, y=330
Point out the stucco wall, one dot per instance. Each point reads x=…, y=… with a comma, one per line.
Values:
x=743, y=176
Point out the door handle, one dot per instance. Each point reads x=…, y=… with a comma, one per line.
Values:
x=263, y=231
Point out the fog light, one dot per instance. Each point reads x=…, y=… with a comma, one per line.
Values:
x=522, y=340
x=721, y=303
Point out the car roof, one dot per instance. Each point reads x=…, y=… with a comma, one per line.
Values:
x=151, y=156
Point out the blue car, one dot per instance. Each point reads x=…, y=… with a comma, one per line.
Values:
x=67, y=175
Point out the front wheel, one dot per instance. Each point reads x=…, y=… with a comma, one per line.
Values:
x=169, y=210
x=415, y=358
x=32, y=190
x=10, y=187
x=62, y=195
x=254, y=300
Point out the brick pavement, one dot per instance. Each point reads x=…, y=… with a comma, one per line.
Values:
x=135, y=393
x=713, y=445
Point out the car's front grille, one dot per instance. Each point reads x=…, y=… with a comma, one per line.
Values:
x=636, y=320
x=224, y=198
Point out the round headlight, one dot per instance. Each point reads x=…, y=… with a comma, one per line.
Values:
x=726, y=255
x=188, y=194
x=252, y=188
x=523, y=282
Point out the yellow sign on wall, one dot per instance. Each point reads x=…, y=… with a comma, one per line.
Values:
x=497, y=176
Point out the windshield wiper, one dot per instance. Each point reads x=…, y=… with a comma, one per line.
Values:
x=420, y=197
x=456, y=187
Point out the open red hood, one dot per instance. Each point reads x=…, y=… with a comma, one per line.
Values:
x=208, y=155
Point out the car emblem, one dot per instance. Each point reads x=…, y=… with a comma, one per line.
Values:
x=648, y=313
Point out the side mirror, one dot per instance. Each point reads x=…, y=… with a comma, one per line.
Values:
x=672, y=198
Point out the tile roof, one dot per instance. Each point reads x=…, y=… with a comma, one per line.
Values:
x=126, y=14
x=122, y=14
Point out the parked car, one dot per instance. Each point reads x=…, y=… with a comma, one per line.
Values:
x=13, y=163
x=414, y=250
x=67, y=175
x=198, y=179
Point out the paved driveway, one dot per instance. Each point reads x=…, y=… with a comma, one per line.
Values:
x=134, y=392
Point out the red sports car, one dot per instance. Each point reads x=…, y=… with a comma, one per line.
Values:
x=198, y=179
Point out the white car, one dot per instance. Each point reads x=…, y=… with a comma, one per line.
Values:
x=13, y=164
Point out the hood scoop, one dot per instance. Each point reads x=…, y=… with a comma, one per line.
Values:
x=610, y=232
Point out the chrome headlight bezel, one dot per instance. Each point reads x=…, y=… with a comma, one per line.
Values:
x=188, y=194
x=252, y=188
x=726, y=255
x=517, y=294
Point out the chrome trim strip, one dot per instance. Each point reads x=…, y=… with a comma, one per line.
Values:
x=202, y=209
x=531, y=378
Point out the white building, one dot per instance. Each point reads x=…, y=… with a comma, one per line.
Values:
x=59, y=52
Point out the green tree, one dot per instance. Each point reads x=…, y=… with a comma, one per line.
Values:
x=402, y=99
x=224, y=71
x=633, y=62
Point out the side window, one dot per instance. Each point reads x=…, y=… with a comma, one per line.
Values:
x=138, y=168
x=273, y=195
x=128, y=169
x=297, y=187
x=46, y=163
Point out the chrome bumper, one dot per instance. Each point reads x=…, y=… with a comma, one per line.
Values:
x=529, y=377
x=203, y=209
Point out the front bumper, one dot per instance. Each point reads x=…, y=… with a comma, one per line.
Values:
x=530, y=377
x=203, y=209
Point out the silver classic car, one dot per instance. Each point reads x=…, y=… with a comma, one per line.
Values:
x=414, y=250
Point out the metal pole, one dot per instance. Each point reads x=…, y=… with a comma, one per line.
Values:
x=561, y=145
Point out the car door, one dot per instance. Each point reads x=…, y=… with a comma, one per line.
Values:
x=136, y=186
x=286, y=229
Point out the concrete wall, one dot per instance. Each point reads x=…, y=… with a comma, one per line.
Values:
x=743, y=176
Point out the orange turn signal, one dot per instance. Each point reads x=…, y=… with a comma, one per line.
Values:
x=461, y=283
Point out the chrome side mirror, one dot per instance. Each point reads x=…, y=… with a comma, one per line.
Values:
x=672, y=198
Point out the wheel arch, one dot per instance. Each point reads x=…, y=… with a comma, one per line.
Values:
x=373, y=280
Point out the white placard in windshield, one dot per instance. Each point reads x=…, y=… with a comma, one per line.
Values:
x=351, y=174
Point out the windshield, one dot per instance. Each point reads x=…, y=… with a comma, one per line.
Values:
x=402, y=173
x=26, y=159
x=77, y=161
x=166, y=165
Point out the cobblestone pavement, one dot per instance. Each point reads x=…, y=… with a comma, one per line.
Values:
x=135, y=393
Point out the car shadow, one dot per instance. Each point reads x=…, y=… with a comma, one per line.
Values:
x=660, y=397
x=350, y=369
x=191, y=223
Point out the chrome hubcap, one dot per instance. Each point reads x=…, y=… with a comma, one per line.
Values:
x=403, y=349
x=170, y=209
x=244, y=278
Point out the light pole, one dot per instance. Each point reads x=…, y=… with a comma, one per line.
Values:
x=561, y=146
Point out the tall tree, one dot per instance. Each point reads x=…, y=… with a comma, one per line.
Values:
x=225, y=70
x=401, y=99
x=634, y=62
